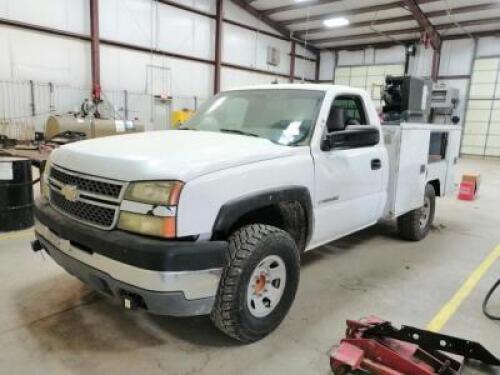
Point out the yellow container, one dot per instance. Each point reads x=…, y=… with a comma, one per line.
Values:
x=180, y=117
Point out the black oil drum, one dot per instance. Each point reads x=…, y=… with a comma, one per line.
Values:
x=16, y=194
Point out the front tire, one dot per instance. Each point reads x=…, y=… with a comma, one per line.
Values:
x=416, y=224
x=258, y=284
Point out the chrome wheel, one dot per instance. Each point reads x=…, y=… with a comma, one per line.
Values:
x=266, y=286
x=425, y=213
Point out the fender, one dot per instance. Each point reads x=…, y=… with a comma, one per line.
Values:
x=233, y=210
x=436, y=184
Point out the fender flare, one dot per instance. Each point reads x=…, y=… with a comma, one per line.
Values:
x=437, y=185
x=233, y=210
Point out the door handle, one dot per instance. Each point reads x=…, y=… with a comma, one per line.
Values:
x=376, y=164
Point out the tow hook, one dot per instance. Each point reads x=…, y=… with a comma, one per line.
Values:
x=131, y=301
x=36, y=246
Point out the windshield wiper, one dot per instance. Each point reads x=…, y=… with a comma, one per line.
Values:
x=241, y=132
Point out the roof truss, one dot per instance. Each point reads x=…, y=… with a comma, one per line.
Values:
x=297, y=28
x=425, y=24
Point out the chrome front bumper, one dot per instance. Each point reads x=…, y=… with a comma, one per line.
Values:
x=179, y=293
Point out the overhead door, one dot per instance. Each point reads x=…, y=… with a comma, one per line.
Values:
x=482, y=121
x=368, y=77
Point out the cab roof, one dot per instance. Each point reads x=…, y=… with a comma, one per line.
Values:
x=299, y=86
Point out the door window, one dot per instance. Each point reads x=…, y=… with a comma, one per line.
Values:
x=346, y=110
x=437, y=146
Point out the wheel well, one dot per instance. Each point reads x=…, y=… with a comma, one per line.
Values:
x=289, y=216
x=436, y=184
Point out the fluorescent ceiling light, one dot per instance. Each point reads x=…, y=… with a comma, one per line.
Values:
x=336, y=22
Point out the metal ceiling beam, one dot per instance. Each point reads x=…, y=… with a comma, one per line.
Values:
x=385, y=21
x=297, y=6
x=478, y=22
x=131, y=47
x=364, y=45
x=275, y=25
x=44, y=29
x=261, y=71
x=424, y=22
x=367, y=35
x=256, y=29
x=479, y=34
x=350, y=12
x=186, y=8
x=407, y=41
x=310, y=33
x=191, y=9
x=245, y=4
x=444, y=26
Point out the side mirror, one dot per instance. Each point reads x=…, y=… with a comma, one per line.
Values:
x=352, y=137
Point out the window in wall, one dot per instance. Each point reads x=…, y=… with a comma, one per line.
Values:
x=481, y=134
x=368, y=77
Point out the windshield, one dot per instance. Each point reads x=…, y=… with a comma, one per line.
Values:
x=282, y=116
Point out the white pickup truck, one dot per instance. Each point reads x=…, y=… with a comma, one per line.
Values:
x=213, y=218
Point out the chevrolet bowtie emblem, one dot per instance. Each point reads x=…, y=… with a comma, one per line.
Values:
x=70, y=192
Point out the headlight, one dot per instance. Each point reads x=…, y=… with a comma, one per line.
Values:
x=160, y=219
x=154, y=192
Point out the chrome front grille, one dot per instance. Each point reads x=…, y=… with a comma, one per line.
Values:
x=87, y=212
x=100, y=187
x=88, y=199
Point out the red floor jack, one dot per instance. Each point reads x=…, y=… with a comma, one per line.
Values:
x=374, y=346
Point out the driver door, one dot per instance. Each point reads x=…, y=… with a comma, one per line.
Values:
x=349, y=180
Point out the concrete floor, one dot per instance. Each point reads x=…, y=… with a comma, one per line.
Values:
x=52, y=323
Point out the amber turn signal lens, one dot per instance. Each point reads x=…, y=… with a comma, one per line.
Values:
x=169, y=227
x=175, y=193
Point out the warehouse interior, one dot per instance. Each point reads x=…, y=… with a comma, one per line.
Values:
x=75, y=70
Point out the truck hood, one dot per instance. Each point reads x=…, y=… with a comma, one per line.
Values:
x=168, y=154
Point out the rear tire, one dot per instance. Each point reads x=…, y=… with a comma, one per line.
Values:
x=258, y=283
x=416, y=224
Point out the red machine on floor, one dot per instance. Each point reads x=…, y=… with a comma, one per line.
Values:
x=374, y=346
x=469, y=187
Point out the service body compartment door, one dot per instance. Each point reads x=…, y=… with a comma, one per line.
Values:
x=412, y=177
x=408, y=158
x=414, y=162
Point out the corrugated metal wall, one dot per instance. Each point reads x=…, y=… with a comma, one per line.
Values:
x=28, y=55
x=65, y=62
